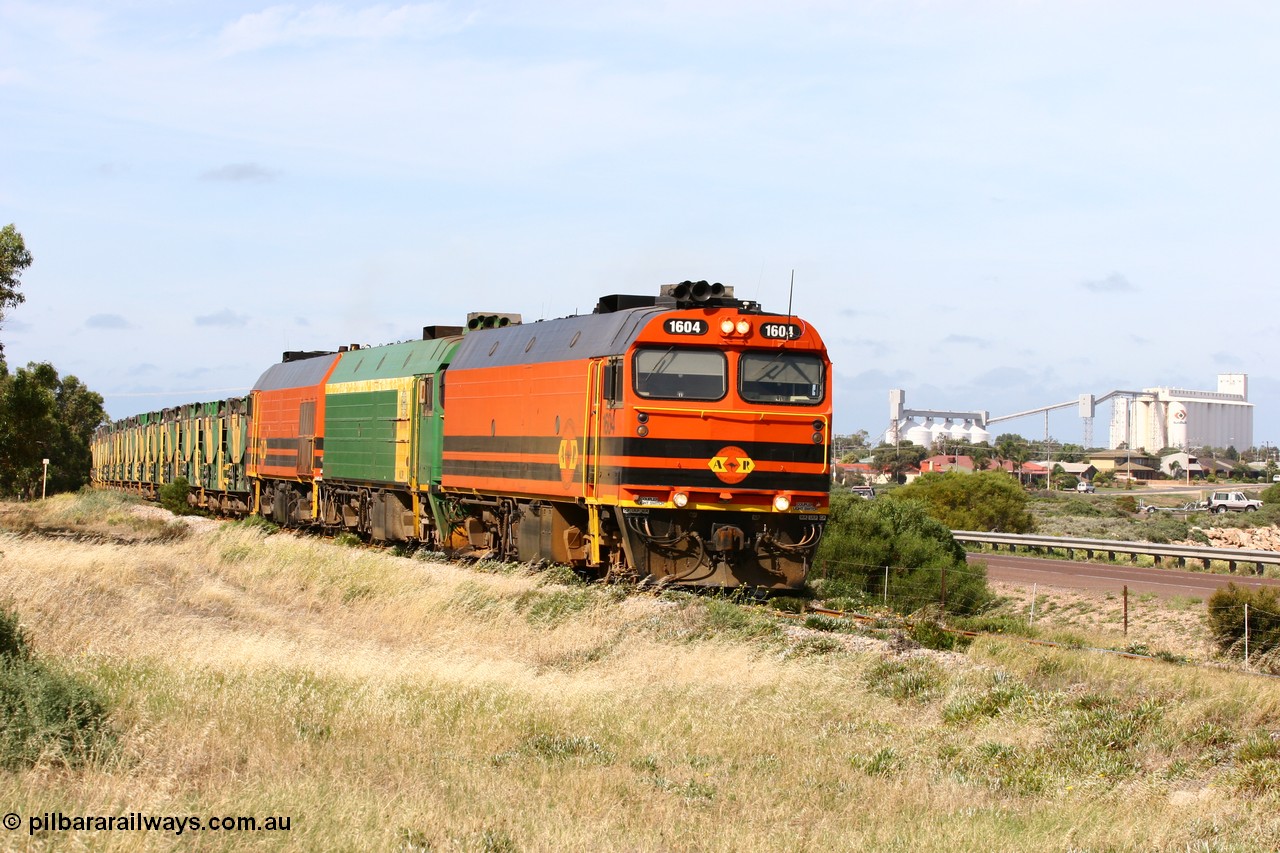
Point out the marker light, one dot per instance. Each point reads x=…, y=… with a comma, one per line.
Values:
x=782, y=503
x=726, y=326
x=743, y=327
x=680, y=498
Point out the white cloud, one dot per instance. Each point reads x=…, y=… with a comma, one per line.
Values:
x=1114, y=283
x=108, y=321
x=225, y=317
x=240, y=173
x=283, y=25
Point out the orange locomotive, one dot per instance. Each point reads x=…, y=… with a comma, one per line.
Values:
x=680, y=439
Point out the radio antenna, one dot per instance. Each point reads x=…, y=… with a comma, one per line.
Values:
x=790, y=293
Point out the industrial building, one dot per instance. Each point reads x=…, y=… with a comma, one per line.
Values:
x=1149, y=420
x=1177, y=417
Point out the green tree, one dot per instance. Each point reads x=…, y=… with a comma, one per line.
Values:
x=43, y=416
x=14, y=258
x=991, y=500
x=982, y=454
x=867, y=540
x=1012, y=446
x=851, y=448
x=1070, y=453
x=896, y=459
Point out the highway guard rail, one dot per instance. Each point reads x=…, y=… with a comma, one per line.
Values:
x=1181, y=553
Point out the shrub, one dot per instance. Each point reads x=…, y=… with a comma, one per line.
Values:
x=1271, y=494
x=173, y=496
x=1226, y=618
x=45, y=715
x=13, y=640
x=1165, y=528
x=991, y=500
x=932, y=635
x=863, y=537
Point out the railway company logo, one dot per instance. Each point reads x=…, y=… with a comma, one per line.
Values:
x=568, y=455
x=731, y=464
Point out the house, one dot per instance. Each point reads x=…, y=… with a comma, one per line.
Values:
x=1222, y=468
x=1127, y=464
x=947, y=462
x=1180, y=465
x=848, y=474
x=1080, y=470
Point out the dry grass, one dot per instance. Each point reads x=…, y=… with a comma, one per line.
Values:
x=397, y=704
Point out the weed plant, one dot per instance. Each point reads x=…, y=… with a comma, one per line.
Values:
x=46, y=716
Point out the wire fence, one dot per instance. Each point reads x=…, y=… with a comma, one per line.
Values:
x=911, y=590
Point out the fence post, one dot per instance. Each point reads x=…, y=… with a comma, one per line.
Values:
x=886, y=586
x=1246, y=635
x=1033, y=604
x=944, y=589
x=1126, y=610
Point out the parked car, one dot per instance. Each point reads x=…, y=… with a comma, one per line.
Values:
x=864, y=492
x=1085, y=486
x=1235, y=501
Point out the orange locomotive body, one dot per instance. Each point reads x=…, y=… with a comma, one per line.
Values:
x=287, y=439
x=681, y=439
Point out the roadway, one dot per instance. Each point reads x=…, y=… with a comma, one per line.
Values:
x=1166, y=583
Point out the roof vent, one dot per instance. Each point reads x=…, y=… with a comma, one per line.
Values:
x=479, y=320
x=700, y=294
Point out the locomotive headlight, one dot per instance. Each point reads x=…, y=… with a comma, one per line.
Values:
x=743, y=327
x=726, y=326
x=782, y=503
x=680, y=499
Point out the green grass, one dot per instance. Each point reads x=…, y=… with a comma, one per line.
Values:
x=47, y=716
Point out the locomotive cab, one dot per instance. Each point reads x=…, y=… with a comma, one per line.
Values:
x=715, y=451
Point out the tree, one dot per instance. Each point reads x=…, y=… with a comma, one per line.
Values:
x=1071, y=453
x=981, y=454
x=896, y=459
x=850, y=448
x=14, y=258
x=43, y=416
x=1012, y=446
x=865, y=541
x=991, y=500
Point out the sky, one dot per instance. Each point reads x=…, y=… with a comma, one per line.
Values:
x=990, y=205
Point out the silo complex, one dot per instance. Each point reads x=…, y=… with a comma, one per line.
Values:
x=1178, y=417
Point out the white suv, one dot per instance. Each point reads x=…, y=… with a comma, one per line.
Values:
x=1235, y=501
